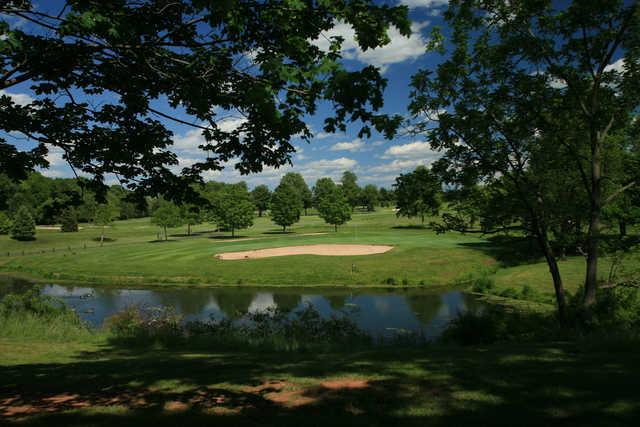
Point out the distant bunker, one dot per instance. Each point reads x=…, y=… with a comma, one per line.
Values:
x=325, y=250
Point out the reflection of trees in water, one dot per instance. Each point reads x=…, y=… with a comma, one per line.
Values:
x=336, y=302
x=286, y=302
x=425, y=307
x=187, y=302
x=234, y=304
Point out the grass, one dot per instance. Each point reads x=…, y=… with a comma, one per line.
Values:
x=134, y=257
x=94, y=383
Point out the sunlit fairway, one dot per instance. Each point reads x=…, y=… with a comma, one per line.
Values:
x=420, y=257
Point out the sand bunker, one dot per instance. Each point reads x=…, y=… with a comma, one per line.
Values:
x=327, y=250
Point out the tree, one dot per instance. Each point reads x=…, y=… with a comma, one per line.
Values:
x=370, y=197
x=103, y=216
x=205, y=58
x=69, y=221
x=334, y=208
x=286, y=206
x=350, y=188
x=233, y=209
x=191, y=215
x=261, y=196
x=323, y=186
x=386, y=197
x=533, y=80
x=297, y=182
x=418, y=193
x=23, y=227
x=166, y=215
x=5, y=223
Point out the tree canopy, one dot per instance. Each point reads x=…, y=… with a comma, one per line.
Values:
x=232, y=208
x=526, y=104
x=261, y=196
x=286, y=206
x=108, y=77
x=333, y=206
x=418, y=193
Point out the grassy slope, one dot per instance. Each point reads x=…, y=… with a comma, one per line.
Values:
x=95, y=384
x=134, y=257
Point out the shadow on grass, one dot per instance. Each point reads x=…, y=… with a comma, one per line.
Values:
x=434, y=386
x=508, y=250
x=410, y=227
x=228, y=237
x=279, y=232
x=105, y=240
x=162, y=241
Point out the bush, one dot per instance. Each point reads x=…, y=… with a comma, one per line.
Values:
x=32, y=315
x=69, y=221
x=617, y=310
x=23, y=227
x=271, y=329
x=5, y=223
x=496, y=324
x=483, y=284
x=391, y=281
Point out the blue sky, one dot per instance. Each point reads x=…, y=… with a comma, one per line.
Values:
x=375, y=160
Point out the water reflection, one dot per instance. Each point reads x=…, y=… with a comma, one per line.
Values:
x=379, y=312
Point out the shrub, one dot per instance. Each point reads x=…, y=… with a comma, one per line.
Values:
x=483, y=284
x=509, y=293
x=32, y=315
x=617, y=310
x=272, y=329
x=23, y=227
x=69, y=221
x=391, y=281
x=5, y=223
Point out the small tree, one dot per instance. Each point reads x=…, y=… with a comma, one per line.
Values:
x=23, y=227
x=191, y=215
x=69, y=221
x=166, y=215
x=5, y=223
x=261, y=196
x=370, y=197
x=350, y=188
x=233, y=209
x=286, y=206
x=418, y=193
x=323, y=187
x=334, y=208
x=104, y=216
x=296, y=181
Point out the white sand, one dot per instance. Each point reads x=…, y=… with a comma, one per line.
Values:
x=326, y=250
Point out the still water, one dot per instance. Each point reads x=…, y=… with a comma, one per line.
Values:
x=382, y=313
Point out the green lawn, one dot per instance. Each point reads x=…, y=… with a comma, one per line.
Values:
x=134, y=257
x=96, y=384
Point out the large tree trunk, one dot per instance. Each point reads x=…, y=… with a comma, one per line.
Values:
x=591, y=278
x=102, y=236
x=233, y=232
x=188, y=229
x=335, y=227
x=165, y=234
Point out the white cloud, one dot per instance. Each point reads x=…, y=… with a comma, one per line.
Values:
x=617, y=66
x=413, y=150
x=399, y=165
x=400, y=48
x=352, y=146
x=189, y=142
x=18, y=98
x=424, y=3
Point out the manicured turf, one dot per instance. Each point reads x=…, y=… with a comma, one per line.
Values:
x=95, y=384
x=419, y=256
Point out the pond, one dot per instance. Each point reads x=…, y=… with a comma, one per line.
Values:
x=380, y=312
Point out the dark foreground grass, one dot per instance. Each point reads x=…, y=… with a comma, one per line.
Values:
x=536, y=384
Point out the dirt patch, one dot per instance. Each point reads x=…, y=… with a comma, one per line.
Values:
x=346, y=383
x=324, y=250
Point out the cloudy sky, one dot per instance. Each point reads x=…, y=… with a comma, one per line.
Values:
x=374, y=160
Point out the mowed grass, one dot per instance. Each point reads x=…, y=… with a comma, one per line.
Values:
x=75, y=384
x=134, y=256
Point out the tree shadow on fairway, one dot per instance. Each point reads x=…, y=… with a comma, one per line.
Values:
x=162, y=241
x=410, y=227
x=528, y=385
x=279, y=232
x=509, y=251
x=229, y=237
